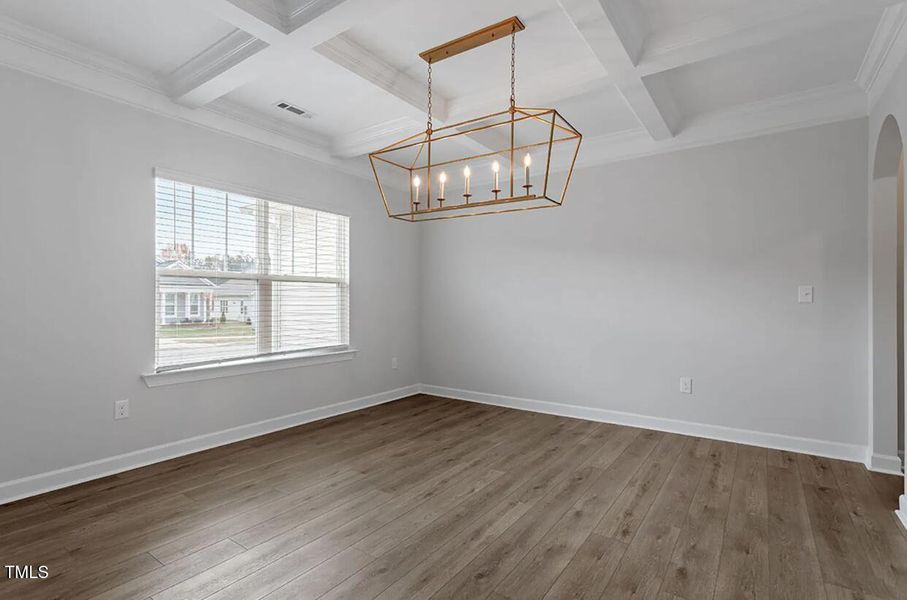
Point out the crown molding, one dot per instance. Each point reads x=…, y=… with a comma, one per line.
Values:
x=885, y=53
x=39, y=53
x=31, y=39
x=839, y=102
x=371, y=138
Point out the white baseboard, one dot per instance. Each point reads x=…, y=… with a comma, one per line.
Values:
x=883, y=463
x=46, y=482
x=902, y=510
x=850, y=452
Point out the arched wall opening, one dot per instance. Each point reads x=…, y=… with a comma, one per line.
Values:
x=887, y=418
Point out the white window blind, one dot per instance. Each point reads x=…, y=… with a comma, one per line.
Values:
x=241, y=277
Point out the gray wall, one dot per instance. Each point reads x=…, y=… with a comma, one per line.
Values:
x=684, y=264
x=77, y=281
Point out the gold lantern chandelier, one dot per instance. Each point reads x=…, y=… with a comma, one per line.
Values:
x=485, y=165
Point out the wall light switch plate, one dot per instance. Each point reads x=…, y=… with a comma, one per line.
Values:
x=394, y=363
x=805, y=294
x=121, y=409
x=686, y=385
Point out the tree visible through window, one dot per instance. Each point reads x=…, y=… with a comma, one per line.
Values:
x=239, y=276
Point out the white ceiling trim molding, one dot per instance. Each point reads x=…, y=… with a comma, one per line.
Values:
x=263, y=22
x=886, y=52
x=343, y=51
x=839, y=102
x=613, y=31
x=214, y=60
x=369, y=139
x=41, y=54
x=14, y=32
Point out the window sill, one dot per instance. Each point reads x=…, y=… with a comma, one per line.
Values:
x=247, y=366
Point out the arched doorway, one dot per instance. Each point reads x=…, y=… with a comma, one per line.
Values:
x=887, y=306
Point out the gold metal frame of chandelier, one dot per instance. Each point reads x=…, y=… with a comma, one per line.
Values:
x=558, y=133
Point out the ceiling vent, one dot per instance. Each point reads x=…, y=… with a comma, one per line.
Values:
x=294, y=109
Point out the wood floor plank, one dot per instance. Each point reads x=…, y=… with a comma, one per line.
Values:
x=589, y=571
x=624, y=517
x=170, y=575
x=884, y=544
x=479, y=577
x=641, y=570
x=329, y=574
x=694, y=568
x=835, y=592
x=744, y=571
x=436, y=498
x=794, y=571
x=537, y=572
x=781, y=458
x=840, y=552
x=816, y=470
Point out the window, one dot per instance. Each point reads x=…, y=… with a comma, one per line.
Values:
x=241, y=277
x=170, y=305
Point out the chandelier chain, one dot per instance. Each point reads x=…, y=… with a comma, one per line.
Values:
x=429, y=97
x=513, y=67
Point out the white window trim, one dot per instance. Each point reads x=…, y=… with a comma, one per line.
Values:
x=245, y=366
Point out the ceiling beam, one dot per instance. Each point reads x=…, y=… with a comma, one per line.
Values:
x=285, y=35
x=249, y=16
x=615, y=32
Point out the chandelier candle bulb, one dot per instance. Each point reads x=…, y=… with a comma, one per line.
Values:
x=496, y=168
x=466, y=175
x=442, y=178
x=416, y=183
x=527, y=161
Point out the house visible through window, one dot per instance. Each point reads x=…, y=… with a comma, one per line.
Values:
x=239, y=277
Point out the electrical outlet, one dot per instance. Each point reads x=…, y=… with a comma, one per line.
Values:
x=686, y=385
x=805, y=294
x=121, y=409
x=394, y=363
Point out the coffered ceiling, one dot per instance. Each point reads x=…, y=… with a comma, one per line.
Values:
x=635, y=76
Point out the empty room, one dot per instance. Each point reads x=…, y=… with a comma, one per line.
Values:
x=432, y=300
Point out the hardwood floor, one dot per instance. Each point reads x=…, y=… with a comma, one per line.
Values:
x=429, y=498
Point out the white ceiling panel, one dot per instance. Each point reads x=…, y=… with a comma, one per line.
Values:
x=338, y=100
